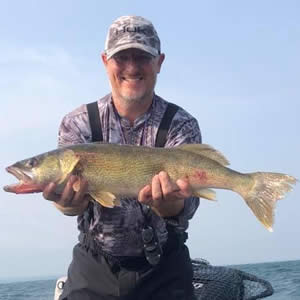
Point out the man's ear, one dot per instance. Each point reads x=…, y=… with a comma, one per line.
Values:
x=104, y=58
x=160, y=61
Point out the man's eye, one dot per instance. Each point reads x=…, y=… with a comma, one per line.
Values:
x=140, y=58
x=121, y=58
x=144, y=58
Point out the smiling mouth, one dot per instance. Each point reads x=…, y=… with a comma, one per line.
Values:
x=132, y=79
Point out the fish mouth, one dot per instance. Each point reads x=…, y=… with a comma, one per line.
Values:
x=19, y=174
x=25, y=184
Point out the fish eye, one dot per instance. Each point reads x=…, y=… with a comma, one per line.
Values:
x=32, y=162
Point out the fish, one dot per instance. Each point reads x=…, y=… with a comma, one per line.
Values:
x=115, y=171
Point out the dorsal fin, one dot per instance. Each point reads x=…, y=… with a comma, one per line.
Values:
x=207, y=151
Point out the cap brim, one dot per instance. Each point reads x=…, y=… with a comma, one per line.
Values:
x=150, y=50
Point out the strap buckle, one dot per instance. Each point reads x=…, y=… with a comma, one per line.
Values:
x=152, y=248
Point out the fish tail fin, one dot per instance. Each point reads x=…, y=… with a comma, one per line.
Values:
x=264, y=192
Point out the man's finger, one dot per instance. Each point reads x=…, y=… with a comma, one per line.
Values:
x=78, y=197
x=157, y=194
x=49, y=192
x=167, y=185
x=68, y=192
x=145, y=194
x=185, y=188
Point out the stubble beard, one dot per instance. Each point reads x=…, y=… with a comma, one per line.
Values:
x=134, y=99
x=138, y=98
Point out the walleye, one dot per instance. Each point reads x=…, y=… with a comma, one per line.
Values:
x=115, y=171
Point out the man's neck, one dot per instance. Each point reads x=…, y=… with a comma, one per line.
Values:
x=132, y=110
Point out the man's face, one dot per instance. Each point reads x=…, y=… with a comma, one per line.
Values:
x=132, y=74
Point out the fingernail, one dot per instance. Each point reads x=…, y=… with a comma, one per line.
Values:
x=181, y=181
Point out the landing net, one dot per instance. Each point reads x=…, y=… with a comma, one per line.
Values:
x=223, y=283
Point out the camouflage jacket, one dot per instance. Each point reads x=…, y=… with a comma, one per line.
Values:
x=118, y=230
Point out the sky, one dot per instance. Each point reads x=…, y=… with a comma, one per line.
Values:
x=234, y=65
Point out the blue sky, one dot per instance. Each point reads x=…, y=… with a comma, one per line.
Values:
x=234, y=65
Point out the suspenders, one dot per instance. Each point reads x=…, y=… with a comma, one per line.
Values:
x=152, y=248
x=165, y=123
x=94, y=118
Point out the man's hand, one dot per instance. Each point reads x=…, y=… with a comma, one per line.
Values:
x=69, y=202
x=164, y=196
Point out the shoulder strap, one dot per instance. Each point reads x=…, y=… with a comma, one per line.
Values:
x=94, y=118
x=161, y=137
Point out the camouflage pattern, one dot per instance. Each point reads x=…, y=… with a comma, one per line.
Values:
x=118, y=230
x=132, y=32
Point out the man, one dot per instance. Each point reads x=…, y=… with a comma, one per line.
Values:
x=115, y=258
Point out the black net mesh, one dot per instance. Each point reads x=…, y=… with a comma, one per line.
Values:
x=222, y=283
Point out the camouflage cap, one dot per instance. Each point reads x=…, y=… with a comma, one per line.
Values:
x=132, y=32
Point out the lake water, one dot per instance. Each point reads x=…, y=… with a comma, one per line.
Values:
x=284, y=277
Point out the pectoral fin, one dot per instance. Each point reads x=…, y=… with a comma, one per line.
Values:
x=106, y=199
x=68, y=160
x=206, y=193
